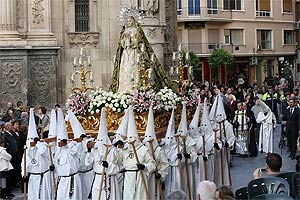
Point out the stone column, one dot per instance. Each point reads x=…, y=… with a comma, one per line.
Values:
x=8, y=17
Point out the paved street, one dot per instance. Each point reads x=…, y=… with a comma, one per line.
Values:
x=243, y=168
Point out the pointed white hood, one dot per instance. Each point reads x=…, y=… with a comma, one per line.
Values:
x=102, y=132
x=194, y=125
x=170, y=134
x=121, y=132
x=150, y=130
x=32, y=132
x=132, y=133
x=205, y=126
x=264, y=106
x=61, y=126
x=220, y=112
x=182, y=128
x=53, y=124
x=75, y=124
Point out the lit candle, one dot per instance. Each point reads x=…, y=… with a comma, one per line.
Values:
x=81, y=51
x=91, y=76
x=89, y=59
x=114, y=58
x=75, y=61
x=79, y=61
x=177, y=70
x=174, y=56
x=152, y=57
x=179, y=47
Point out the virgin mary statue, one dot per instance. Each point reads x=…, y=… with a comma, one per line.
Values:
x=126, y=74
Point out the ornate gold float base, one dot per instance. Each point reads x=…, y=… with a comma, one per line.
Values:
x=90, y=123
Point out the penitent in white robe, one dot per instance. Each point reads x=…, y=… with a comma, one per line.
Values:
x=37, y=164
x=172, y=180
x=133, y=186
x=66, y=162
x=86, y=172
x=162, y=168
x=110, y=187
x=266, y=131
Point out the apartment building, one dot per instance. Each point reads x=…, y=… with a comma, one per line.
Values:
x=260, y=34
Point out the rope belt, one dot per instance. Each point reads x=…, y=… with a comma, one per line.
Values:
x=82, y=172
x=41, y=180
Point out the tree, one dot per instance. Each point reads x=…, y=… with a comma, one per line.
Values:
x=218, y=58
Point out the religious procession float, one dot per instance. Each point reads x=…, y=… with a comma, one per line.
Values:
x=138, y=80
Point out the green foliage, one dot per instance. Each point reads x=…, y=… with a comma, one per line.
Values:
x=219, y=57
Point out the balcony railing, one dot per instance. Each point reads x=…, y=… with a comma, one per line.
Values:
x=203, y=13
x=208, y=48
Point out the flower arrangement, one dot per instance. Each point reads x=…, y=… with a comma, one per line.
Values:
x=167, y=99
x=191, y=96
x=116, y=101
x=143, y=99
x=79, y=103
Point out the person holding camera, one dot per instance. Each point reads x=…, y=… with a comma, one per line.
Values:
x=272, y=168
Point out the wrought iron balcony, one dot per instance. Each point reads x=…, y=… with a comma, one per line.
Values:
x=203, y=14
x=207, y=48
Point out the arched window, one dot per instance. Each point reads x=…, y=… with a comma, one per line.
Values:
x=82, y=15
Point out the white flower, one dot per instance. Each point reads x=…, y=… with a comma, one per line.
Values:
x=110, y=105
x=125, y=106
x=118, y=110
x=106, y=104
x=116, y=105
x=92, y=112
x=114, y=109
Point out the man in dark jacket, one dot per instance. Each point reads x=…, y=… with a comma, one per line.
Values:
x=11, y=146
x=292, y=114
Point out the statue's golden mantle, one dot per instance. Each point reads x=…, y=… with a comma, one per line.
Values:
x=90, y=123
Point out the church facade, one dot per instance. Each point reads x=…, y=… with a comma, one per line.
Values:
x=39, y=40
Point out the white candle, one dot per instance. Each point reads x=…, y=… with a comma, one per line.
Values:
x=72, y=78
x=152, y=57
x=150, y=73
x=75, y=61
x=187, y=56
x=190, y=70
x=179, y=47
x=172, y=70
x=79, y=61
x=174, y=56
x=81, y=51
x=143, y=48
x=91, y=76
x=114, y=58
x=177, y=70
x=138, y=58
x=89, y=59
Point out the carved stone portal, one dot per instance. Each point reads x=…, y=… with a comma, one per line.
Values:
x=90, y=39
x=38, y=12
x=12, y=80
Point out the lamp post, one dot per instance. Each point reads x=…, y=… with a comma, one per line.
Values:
x=83, y=62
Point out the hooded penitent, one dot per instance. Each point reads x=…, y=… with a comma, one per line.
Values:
x=182, y=128
x=102, y=137
x=169, y=139
x=150, y=135
x=61, y=126
x=132, y=133
x=32, y=132
x=194, y=125
x=220, y=112
x=75, y=124
x=121, y=132
x=205, y=126
x=53, y=124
